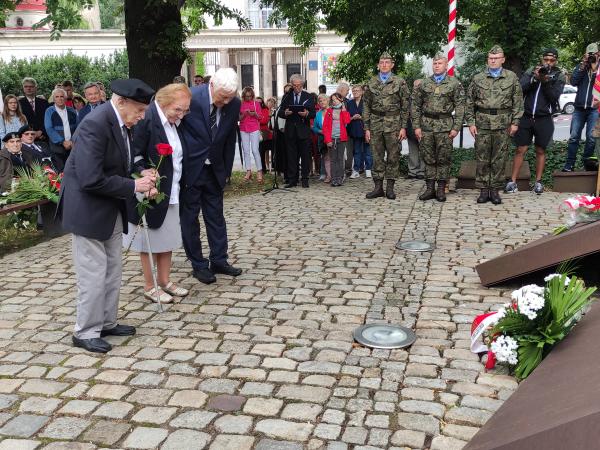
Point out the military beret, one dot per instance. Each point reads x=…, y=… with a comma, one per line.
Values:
x=24, y=129
x=12, y=135
x=133, y=89
x=386, y=55
x=495, y=50
x=550, y=52
x=592, y=48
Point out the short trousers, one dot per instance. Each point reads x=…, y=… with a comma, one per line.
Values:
x=540, y=127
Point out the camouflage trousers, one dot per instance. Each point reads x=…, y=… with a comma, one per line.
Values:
x=386, y=155
x=436, y=151
x=491, y=153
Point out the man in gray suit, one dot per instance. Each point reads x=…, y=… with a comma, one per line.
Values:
x=92, y=205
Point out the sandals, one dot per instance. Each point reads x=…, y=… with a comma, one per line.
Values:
x=259, y=178
x=164, y=297
x=175, y=290
x=248, y=176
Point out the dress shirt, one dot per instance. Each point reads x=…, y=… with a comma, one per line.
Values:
x=65, y=120
x=177, y=157
x=210, y=110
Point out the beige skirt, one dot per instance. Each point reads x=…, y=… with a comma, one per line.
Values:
x=164, y=239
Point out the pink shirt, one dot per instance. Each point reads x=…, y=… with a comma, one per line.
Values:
x=249, y=124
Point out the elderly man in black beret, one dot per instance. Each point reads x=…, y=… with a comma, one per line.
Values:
x=11, y=157
x=97, y=181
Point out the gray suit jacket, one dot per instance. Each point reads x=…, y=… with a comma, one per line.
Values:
x=96, y=181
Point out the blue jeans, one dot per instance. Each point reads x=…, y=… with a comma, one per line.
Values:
x=581, y=118
x=362, y=154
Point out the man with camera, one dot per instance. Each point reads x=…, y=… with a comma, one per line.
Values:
x=542, y=86
x=585, y=115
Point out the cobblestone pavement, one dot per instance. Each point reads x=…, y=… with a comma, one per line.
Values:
x=266, y=360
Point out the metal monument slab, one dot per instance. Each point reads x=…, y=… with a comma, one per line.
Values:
x=414, y=246
x=381, y=335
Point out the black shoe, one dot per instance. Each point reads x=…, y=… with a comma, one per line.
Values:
x=119, y=330
x=226, y=269
x=290, y=185
x=96, y=345
x=204, y=276
x=304, y=183
x=495, y=197
x=484, y=196
x=567, y=169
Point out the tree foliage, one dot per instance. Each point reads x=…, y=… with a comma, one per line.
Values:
x=370, y=27
x=50, y=70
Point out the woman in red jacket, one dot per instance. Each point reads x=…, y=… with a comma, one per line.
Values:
x=266, y=142
x=335, y=137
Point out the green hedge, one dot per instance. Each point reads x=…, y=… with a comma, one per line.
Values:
x=51, y=70
x=555, y=160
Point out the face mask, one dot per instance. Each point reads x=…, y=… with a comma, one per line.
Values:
x=337, y=106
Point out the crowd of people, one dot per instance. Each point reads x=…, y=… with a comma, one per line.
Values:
x=100, y=143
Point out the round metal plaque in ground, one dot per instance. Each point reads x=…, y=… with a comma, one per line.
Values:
x=380, y=335
x=414, y=246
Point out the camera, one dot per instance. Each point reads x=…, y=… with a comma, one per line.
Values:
x=591, y=59
x=544, y=72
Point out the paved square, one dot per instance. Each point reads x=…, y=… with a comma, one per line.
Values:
x=267, y=360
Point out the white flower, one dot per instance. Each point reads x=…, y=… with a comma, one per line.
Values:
x=555, y=275
x=505, y=349
x=530, y=299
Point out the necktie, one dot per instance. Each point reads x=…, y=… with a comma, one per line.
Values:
x=213, y=121
x=32, y=102
x=297, y=101
x=127, y=139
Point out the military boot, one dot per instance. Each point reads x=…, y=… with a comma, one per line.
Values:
x=495, y=197
x=484, y=196
x=389, y=190
x=429, y=191
x=440, y=194
x=377, y=190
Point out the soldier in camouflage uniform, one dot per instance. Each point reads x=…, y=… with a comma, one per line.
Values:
x=385, y=115
x=494, y=108
x=432, y=104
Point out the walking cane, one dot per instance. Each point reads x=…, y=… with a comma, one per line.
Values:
x=152, y=266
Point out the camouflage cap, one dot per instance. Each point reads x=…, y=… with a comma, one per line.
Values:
x=496, y=49
x=439, y=55
x=386, y=55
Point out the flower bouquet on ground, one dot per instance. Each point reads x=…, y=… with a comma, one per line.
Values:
x=523, y=332
x=36, y=183
x=583, y=208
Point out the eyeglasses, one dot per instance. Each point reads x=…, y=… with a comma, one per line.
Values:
x=549, y=59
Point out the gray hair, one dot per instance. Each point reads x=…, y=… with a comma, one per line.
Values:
x=58, y=90
x=90, y=84
x=225, y=79
x=344, y=85
x=29, y=80
x=296, y=77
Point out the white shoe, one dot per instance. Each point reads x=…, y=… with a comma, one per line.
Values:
x=355, y=174
x=368, y=174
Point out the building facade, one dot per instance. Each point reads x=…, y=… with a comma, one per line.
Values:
x=265, y=56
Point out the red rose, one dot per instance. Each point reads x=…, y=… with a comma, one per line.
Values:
x=164, y=149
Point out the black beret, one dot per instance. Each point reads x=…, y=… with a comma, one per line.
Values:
x=550, y=52
x=11, y=135
x=24, y=129
x=134, y=89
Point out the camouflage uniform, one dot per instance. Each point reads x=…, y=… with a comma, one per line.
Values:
x=385, y=113
x=493, y=105
x=432, y=106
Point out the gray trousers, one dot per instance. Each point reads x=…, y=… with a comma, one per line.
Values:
x=416, y=165
x=98, y=265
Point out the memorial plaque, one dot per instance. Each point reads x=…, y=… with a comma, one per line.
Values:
x=381, y=335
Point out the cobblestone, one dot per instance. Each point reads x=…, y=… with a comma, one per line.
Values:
x=266, y=360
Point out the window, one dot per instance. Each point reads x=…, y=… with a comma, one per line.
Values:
x=259, y=17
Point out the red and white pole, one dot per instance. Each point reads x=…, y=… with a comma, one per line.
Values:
x=451, y=36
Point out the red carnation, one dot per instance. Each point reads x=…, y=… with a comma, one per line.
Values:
x=164, y=149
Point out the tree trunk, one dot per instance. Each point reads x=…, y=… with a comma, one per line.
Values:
x=155, y=40
x=517, y=16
